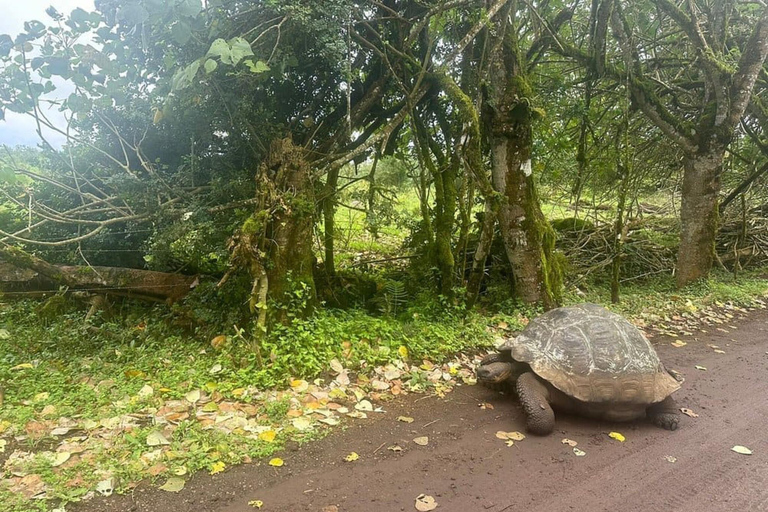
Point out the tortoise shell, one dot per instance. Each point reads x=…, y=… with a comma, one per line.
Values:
x=593, y=355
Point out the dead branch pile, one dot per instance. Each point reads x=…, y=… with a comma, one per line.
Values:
x=650, y=246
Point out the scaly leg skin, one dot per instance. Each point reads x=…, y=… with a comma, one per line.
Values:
x=534, y=397
x=664, y=414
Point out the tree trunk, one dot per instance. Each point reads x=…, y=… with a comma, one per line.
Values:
x=289, y=243
x=329, y=221
x=698, y=215
x=25, y=272
x=481, y=255
x=528, y=238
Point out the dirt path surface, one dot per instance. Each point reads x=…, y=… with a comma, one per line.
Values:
x=466, y=468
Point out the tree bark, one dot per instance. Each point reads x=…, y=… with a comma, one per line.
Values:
x=129, y=282
x=528, y=238
x=698, y=215
x=289, y=233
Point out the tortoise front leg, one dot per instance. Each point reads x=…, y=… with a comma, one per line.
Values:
x=534, y=397
x=664, y=414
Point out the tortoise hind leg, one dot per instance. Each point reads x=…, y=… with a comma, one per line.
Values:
x=534, y=397
x=664, y=414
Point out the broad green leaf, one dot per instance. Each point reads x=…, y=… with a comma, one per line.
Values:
x=6, y=43
x=219, y=48
x=34, y=28
x=210, y=66
x=240, y=49
x=257, y=67
x=189, y=7
x=181, y=32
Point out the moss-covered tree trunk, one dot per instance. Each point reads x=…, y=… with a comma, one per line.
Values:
x=289, y=234
x=528, y=238
x=699, y=215
x=329, y=221
x=275, y=243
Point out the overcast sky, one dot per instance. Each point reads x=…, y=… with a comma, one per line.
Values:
x=17, y=129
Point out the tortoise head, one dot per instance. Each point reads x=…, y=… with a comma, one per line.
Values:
x=498, y=369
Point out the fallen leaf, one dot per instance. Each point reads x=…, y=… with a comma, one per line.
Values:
x=60, y=431
x=671, y=459
x=219, y=341
x=156, y=438
x=364, y=405
x=569, y=442
x=509, y=442
x=106, y=487
x=276, y=462
x=405, y=419
x=425, y=503
x=299, y=385
x=22, y=366
x=302, y=423
x=718, y=351
x=678, y=343
x=336, y=366
x=330, y=508
x=193, y=396
x=617, y=436
x=421, y=441
x=394, y=448
x=485, y=405
x=3, y=444
x=402, y=351
x=4, y=334
x=146, y=391
x=352, y=457
x=331, y=420
x=579, y=453
x=41, y=397
x=217, y=467
x=689, y=412
x=256, y=503
x=60, y=458
x=215, y=369
x=742, y=450
x=173, y=484
x=702, y=368
x=514, y=436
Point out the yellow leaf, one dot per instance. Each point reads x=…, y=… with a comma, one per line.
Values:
x=405, y=419
x=217, y=467
x=351, y=457
x=678, y=343
x=237, y=393
x=617, y=436
x=402, y=351
x=276, y=462
x=256, y=503
x=268, y=436
x=22, y=366
x=299, y=385
x=41, y=397
x=422, y=441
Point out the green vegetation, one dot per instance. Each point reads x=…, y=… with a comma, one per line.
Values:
x=268, y=218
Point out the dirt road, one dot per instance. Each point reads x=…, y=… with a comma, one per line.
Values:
x=466, y=468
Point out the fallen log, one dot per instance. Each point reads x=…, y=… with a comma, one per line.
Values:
x=25, y=272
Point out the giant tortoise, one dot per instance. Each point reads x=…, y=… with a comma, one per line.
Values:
x=584, y=360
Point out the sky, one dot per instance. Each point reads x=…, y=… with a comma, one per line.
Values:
x=18, y=129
